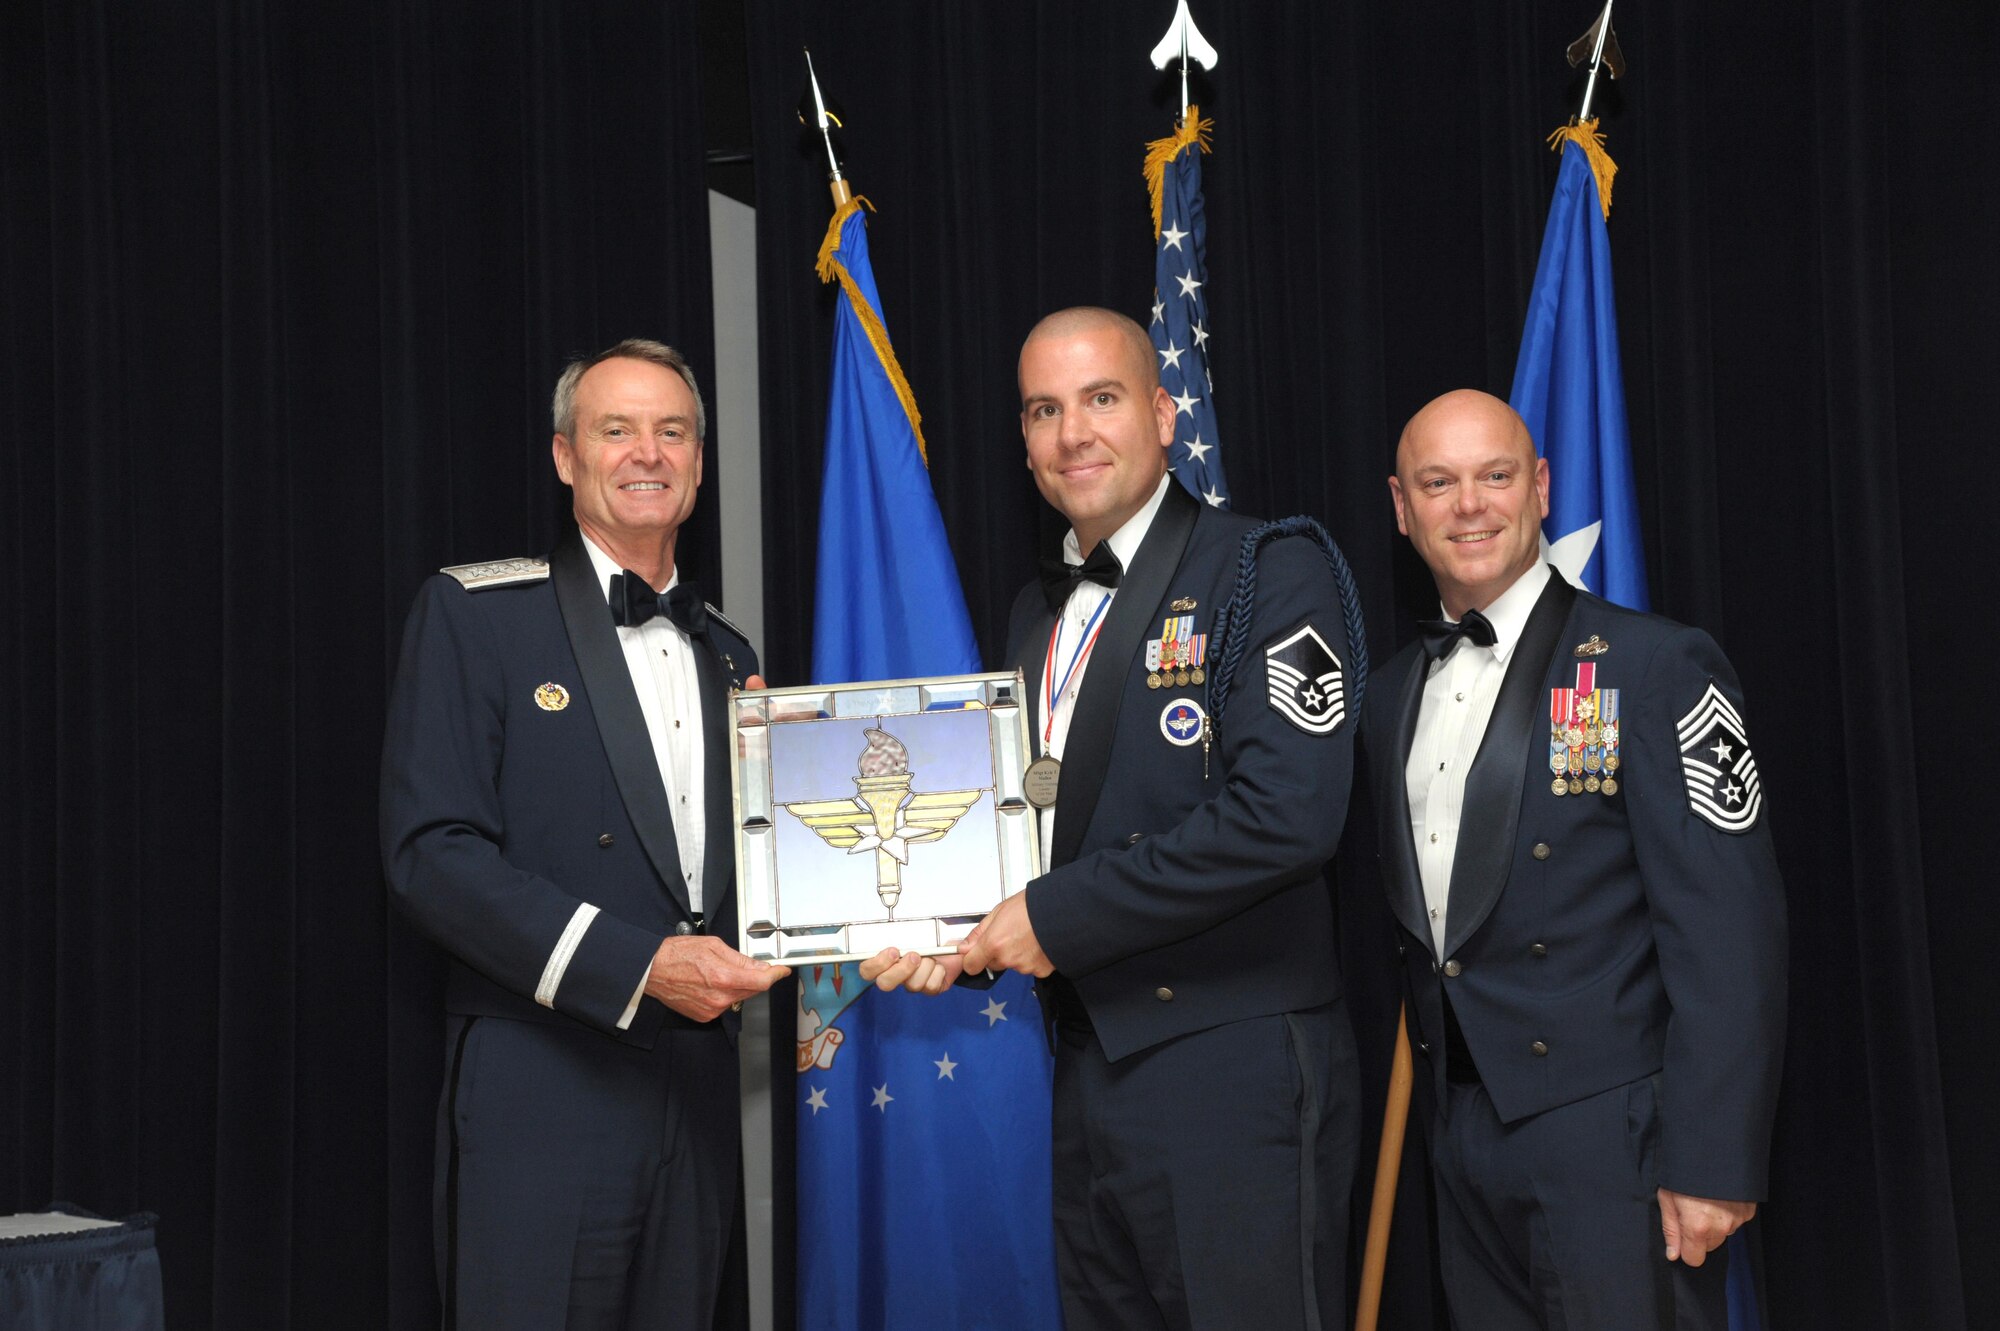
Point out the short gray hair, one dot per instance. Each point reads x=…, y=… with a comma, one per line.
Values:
x=563, y=407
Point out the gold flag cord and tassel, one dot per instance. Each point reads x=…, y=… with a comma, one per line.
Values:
x=830, y=269
x=1584, y=136
x=1193, y=130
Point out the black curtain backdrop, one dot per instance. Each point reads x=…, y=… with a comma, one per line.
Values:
x=285, y=291
x=1803, y=247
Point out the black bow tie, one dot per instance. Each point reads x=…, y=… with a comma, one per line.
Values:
x=1059, y=578
x=1441, y=635
x=633, y=603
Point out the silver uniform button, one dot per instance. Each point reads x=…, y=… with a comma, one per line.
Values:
x=1452, y=967
x=1164, y=994
x=1538, y=1049
x=684, y=928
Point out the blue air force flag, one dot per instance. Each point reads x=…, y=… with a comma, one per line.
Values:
x=1180, y=328
x=905, y=1102
x=1570, y=391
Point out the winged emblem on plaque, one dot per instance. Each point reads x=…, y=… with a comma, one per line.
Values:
x=884, y=814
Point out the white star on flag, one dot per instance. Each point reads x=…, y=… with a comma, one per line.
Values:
x=1196, y=450
x=1200, y=333
x=1172, y=235
x=817, y=1100
x=1186, y=403
x=993, y=1011
x=1214, y=499
x=1159, y=309
x=945, y=1067
x=1188, y=284
x=1171, y=356
x=882, y=1098
x=1571, y=553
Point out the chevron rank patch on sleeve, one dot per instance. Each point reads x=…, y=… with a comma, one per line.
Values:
x=1722, y=783
x=1307, y=685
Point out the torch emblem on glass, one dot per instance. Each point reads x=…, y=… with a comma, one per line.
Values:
x=884, y=815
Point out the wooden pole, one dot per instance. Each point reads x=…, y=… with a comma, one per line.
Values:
x=1388, y=1164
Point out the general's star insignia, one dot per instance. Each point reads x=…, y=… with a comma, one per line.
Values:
x=1727, y=791
x=1307, y=685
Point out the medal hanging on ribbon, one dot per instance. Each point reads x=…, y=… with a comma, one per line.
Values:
x=1052, y=692
x=1559, y=705
x=1608, y=720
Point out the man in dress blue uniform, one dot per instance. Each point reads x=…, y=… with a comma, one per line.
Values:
x=1205, y=1111
x=555, y=814
x=1573, y=843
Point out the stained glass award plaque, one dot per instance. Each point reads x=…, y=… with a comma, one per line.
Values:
x=882, y=814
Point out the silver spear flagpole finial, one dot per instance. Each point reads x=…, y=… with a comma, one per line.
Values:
x=1602, y=45
x=824, y=121
x=1184, y=40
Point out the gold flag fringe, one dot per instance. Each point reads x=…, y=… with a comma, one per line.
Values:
x=1586, y=137
x=1193, y=129
x=832, y=269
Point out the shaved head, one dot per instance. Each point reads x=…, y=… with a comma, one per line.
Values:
x=1079, y=320
x=1465, y=409
x=1471, y=495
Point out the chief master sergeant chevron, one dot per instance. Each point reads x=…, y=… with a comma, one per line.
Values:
x=555, y=814
x=1573, y=841
x=1205, y=1105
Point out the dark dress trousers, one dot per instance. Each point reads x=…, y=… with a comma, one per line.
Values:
x=1607, y=1017
x=586, y=1175
x=1205, y=1120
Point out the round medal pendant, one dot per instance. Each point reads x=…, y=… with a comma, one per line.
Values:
x=1591, y=783
x=1039, y=782
x=1575, y=786
x=1197, y=675
x=1181, y=678
x=1153, y=680
x=1610, y=786
x=1610, y=762
x=1559, y=786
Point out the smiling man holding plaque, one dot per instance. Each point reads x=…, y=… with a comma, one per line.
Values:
x=1205, y=1117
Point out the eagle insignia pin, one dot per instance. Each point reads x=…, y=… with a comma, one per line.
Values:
x=552, y=697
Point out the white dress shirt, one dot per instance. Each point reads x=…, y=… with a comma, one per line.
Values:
x=660, y=658
x=1458, y=701
x=1082, y=617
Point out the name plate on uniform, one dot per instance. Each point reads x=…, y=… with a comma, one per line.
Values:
x=883, y=814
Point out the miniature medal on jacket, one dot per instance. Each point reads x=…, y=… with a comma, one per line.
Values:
x=1722, y=782
x=552, y=697
x=1584, y=735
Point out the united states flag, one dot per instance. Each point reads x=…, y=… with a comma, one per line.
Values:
x=1180, y=328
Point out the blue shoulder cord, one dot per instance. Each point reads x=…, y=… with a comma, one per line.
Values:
x=1230, y=642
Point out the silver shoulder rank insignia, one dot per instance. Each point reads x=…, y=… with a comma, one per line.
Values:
x=1594, y=646
x=1306, y=682
x=726, y=621
x=552, y=697
x=1181, y=603
x=498, y=573
x=1722, y=782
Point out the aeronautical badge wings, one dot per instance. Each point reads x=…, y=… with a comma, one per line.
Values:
x=1722, y=782
x=1306, y=682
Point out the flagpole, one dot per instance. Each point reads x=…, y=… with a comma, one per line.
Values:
x=824, y=121
x=1388, y=1168
x=1596, y=61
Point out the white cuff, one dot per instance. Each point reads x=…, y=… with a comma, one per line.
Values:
x=552, y=974
x=632, y=1008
